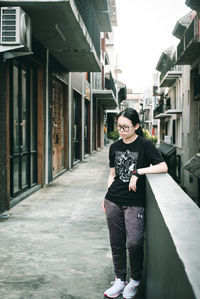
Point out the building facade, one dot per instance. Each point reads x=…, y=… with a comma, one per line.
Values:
x=178, y=106
x=52, y=90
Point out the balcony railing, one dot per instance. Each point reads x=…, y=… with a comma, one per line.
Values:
x=122, y=94
x=87, y=13
x=173, y=70
x=159, y=109
x=189, y=34
x=172, y=264
x=110, y=84
x=180, y=48
x=168, y=79
x=167, y=66
x=189, y=46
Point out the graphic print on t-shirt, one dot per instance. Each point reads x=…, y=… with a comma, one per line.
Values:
x=125, y=163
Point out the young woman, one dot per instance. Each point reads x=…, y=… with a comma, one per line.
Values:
x=131, y=158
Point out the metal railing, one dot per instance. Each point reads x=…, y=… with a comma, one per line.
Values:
x=88, y=15
x=110, y=84
x=180, y=48
x=159, y=109
x=173, y=69
x=122, y=94
x=189, y=33
x=169, y=63
x=192, y=33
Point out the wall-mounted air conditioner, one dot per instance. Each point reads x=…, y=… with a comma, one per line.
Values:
x=15, y=28
x=168, y=139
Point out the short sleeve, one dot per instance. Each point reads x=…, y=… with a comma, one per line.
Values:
x=111, y=157
x=152, y=154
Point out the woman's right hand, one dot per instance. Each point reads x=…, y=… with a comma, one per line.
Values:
x=103, y=206
x=133, y=183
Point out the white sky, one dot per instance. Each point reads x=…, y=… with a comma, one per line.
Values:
x=144, y=31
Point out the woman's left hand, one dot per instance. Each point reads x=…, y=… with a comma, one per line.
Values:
x=133, y=183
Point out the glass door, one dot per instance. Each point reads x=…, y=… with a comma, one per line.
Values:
x=77, y=127
x=23, y=137
x=86, y=128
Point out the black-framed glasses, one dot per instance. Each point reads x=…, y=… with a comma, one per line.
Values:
x=124, y=128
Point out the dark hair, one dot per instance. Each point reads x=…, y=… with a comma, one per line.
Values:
x=133, y=116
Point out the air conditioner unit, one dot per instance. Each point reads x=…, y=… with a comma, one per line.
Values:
x=154, y=122
x=15, y=29
x=168, y=139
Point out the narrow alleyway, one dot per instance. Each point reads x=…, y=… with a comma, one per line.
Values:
x=55, y=243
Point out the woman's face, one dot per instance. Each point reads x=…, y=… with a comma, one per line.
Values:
x=126, y=128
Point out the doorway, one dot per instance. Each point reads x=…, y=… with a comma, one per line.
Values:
x=23, y=124
x=58, y=159
x=87, y=127
x=77, y=127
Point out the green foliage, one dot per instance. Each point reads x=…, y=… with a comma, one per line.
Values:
x=114, y=135
x=153, y=138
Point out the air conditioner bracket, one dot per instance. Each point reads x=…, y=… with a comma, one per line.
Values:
x=9, y=51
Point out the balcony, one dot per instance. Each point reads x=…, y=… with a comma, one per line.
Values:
x=70, y=33
x=170, y=77
x=196, y=88
x=193, y=4
x=110, y=83
x=157, y=91
x=108, y=95
x=122, y=94
x=172, y=241
x=189, y=46
x=159, y=108
x=166, y=66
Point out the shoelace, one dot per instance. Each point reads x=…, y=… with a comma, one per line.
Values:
x=113, y=282
x=131, y=286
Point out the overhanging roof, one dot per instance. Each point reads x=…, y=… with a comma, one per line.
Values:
x=113, y=111
x=58, y=26
x=170, y=78
x=174, y=111
x=162, y=115
x=166, y=55
x=193, y=165
x=166, y=149
x=182, y=24
x=194, y=4
x=106, y=97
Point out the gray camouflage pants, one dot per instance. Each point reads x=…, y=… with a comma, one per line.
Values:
x=126, y=225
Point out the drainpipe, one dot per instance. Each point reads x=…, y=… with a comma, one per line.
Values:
x=83, y=118
x=47, y=118
x=91, y=112
x=70, y=119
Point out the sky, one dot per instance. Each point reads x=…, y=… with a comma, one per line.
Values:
x=144, y=31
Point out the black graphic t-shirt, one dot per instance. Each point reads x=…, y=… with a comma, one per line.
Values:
x=125, y=158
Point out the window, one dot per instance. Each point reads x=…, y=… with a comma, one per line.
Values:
x=174, y=131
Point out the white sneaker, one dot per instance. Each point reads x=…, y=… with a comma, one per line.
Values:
x=130, y=290
x=116, y=289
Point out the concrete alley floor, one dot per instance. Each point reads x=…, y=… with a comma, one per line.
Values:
x=55, y=243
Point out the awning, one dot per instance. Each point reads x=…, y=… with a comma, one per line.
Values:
x=162, y=115
x=170, y=78
x=106, y=97
x=193, y=165
x=174, y=111
x=58, y=26
x=166, y=149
